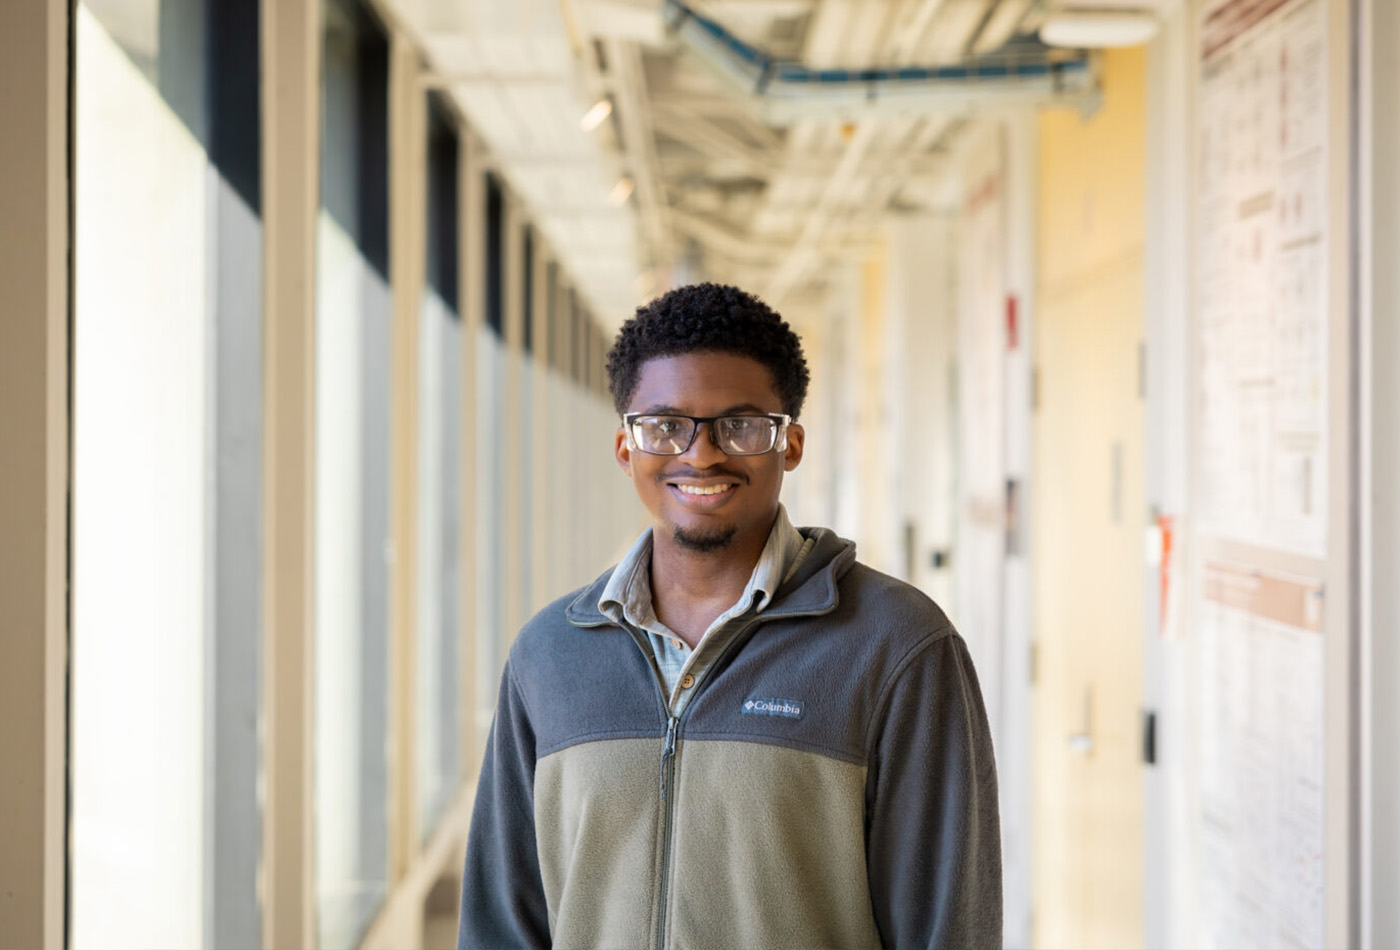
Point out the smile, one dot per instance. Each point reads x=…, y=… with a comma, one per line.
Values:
x=704, y=489
x=703, y=497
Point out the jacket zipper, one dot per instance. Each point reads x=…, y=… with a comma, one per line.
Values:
x=668, y=765
x=668, y=774
x=668, y=777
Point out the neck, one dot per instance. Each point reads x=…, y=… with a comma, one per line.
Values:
x=691, y=588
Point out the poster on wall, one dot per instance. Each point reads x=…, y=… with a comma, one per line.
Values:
x=1261, y=297
x=1261, y=444
x=1260, y=740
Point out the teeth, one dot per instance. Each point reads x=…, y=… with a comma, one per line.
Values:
x=704, y=489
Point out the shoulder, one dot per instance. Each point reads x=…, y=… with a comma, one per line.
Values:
x=552, y=617
x=556, y=621
x=883, y=602
x=568, y=641
x=579, y=676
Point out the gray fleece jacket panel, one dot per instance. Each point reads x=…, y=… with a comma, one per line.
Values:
x=829, y=784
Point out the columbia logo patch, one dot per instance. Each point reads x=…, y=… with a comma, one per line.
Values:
x=787, y=708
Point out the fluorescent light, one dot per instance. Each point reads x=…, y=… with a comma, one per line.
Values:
x=621, y=191
x=1098, y=30
x=594, y=117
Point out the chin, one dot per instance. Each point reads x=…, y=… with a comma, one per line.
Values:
x=704, y=540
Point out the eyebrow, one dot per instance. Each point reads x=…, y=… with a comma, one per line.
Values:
x=745, y=408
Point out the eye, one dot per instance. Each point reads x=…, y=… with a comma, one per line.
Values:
x=737, y=425
x=666, y=426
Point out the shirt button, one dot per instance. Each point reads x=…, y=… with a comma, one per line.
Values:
x=687, y=681
x=675, y=643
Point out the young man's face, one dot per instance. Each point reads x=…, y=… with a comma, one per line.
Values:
x=739, y=515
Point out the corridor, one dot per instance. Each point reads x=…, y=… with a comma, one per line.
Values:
x=305, y=413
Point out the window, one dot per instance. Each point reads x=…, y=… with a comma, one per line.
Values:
x=491, y=467
x=551, y=315
x=495, y=256
x=167, y=472
x=527, y=290
x=439, y=482
x=353, y=352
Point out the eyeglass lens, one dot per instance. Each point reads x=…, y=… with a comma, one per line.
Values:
x=735, y=435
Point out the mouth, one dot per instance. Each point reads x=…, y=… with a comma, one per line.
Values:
x=704, y=489
x=703, y=495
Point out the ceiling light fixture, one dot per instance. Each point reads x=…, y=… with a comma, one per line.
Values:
x=621, y=191
x=594, y=117
x=1087, y=30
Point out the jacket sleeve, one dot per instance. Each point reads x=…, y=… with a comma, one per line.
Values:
x=503, y=903
x=933, y=846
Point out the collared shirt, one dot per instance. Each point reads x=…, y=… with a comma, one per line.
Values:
x=627, y=597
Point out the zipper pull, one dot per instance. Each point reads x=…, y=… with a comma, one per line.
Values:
x=667, y=752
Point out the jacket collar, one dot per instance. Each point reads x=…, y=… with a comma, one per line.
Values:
x=812, y=590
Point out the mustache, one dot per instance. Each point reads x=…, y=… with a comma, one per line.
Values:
x=713, y=471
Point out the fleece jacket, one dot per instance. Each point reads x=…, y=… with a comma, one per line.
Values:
x=829, y=783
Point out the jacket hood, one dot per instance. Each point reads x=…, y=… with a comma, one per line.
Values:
x=812, y=590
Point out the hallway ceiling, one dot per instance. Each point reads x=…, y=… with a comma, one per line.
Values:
x=735, y=174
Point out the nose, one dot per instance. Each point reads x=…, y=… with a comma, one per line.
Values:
x=704, y=451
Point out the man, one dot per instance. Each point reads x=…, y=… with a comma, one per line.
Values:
x=739, y=737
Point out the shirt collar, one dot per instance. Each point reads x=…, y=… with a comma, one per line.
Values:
x=627, y=594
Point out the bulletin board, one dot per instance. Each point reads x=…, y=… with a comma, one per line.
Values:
x=1261, y=319
x=1261, y=746
x=1261, y=301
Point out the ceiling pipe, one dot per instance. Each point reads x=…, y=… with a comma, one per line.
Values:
x=785, y=91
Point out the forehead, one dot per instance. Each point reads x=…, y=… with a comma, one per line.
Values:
x=705, y=383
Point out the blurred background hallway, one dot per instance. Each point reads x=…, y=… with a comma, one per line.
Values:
x=303, y=413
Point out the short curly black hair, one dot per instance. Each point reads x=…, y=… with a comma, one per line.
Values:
x=715, y=318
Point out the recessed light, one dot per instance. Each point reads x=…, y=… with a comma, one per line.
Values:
x=594, y=117
x=621, y=191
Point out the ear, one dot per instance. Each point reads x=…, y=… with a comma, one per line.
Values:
x=621, y=452
x=793, y=455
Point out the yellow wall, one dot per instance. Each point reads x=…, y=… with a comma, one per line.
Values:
x=878, y=546
x=1089, y=518
x=1092, y=176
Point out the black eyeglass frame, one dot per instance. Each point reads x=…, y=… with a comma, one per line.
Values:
x=782, y=420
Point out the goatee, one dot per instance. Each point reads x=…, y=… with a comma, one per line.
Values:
x=703, y=542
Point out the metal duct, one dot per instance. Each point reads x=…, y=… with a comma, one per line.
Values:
x=1019, y=74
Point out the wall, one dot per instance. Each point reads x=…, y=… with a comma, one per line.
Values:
x=1379, y=502
x=1088, y=517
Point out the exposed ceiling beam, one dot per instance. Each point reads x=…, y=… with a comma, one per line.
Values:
x=800, y=258
x=1001, y=25
x=905, y=165
x=705, y=136
x=955, y=24
x=709, y=108
x=904, y=48
x=721, y=237
x=625, y=63
x=770, y=250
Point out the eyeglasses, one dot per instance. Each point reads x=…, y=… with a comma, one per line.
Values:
x=744, y=434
